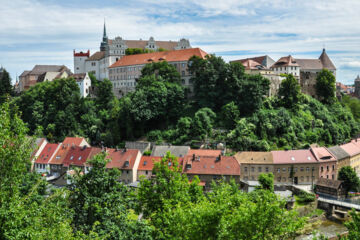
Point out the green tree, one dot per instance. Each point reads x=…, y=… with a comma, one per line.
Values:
x=100, y=204
x=229, y=115
x=351, y=180
x=353, y=226
x=325, y=86
x=6, y=89
x=163, y=72
x=289, y=92
x=267, y=181
x=203, y=123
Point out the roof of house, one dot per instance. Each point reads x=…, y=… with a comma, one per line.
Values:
x=170, y=56
x=147, y=163
x=96, y=56
x=40, y=69
x=351, y=148
x=310, y=64
x=168, y=45
x=326, y=62
x=285, y=61
x=24, y=73
x=37, y=144
x=254, y=157
x=204, y=152
x=265, y=61
x=323, y=155
x=74, y=140
x=293, y=157
x=142, y=146
x=211, y=165
x=122, y=158
x=330, y=183
x=338, y=152
x=177, y=151
x=77, y=156
x=47, y=153
x=78, y=76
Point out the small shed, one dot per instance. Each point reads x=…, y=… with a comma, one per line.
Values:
x=330, y=187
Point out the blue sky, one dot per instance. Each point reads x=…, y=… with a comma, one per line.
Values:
x=46, y=31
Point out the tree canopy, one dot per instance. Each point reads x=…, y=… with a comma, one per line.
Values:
x=325, y=86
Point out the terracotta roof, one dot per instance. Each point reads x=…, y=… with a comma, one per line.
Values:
x=211, y=165
x=147, y=162
x=74, y=140
x=122, y=159
x=285, y=61
x=323, y=155
x=265, y=61
x=94, y=151
x=96, y=56
x=60, y=155
x=40, y=69
x=330, y=183
x=168, y=45
x=254, y=157
x=47, y=153
x=77, y=156
x=351, y=148
x=338, y=152
x=326, y=62
x=293, y=157
x=170, y=56
x=204, y=152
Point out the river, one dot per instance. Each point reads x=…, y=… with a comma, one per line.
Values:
x=327, y=228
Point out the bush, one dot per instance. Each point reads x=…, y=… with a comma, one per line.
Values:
x=305, y=197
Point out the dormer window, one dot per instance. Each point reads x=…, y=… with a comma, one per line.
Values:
x=72, y=157
x=145, y=162
x=126, y=164
x=79, y=158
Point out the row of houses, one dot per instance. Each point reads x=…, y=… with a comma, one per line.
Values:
x=305, y=166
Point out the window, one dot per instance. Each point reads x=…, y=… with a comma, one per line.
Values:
x=278, y=170
x=327, y=176
x=284, y=169
x=295, y=169
x=332, y=177
x=183, y=73
x=93, y=64
x=322, y=169
x=308, y=169
x=245, y=169
x=302, y=178
x=327, y=168
x=259, y=169
x=279, y=179
x=79, y=158
x=72, y=157
x=252, y=169
x=333, y=167
x=183, y=65
x=301, y=169
x=146, y=172
x=266, y=169
x=127, y=172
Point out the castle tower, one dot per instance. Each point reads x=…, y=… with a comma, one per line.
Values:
x=357, y=87
x=79, y=61
x=105, y=40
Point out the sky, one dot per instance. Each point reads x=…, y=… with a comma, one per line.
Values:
x=47, y=31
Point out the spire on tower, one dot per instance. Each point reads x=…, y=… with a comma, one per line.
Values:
x=104, y=35
x=104, y=42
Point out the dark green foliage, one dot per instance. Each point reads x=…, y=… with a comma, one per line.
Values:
x=353, y=104
x=353, y=226
x=351, y=180
x=305, y=197
x=101, y=204
x=162, y=71
x=289, y=92
x=6, y=89
x=133, y=51
x=325, y=86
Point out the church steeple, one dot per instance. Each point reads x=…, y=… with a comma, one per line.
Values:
x=104, y=42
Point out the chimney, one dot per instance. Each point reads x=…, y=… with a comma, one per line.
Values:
x=218, y=158
x=194, y=157
x=73, y=146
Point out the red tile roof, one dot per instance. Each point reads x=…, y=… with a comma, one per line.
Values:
x=170, y=56
x=285, y=61
x=147, y=163
x=73, y=140
x=122, y=159
x=77, y=156
x=351, y=148
x=323, y=155
x=47, y=153
x=211, y=165
x=293, y=157
x=204, y=152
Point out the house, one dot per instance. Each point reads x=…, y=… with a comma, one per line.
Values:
x=287, y=65
x=252, y=164
x=56, y=163
x=111, y=50
x=353, y=150
x=295, y=167
x=211, y=168
x=124, y=73
x=342, y=157
x=42, y=162
x=330, y=187
x=38, y=146
x=84, y=82
x=146, y=166
x=327, y=162
x=261, y=65
x=127, y=161
x=77, y=157
x=41, y=73
x=177, y=151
